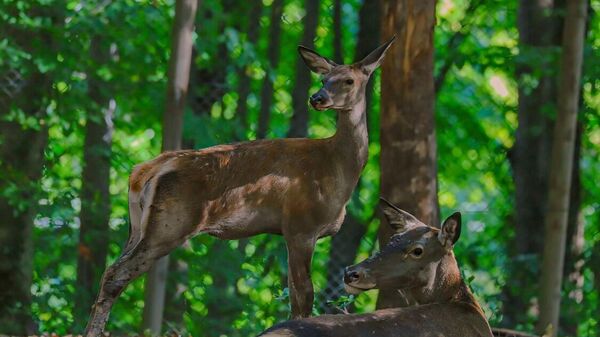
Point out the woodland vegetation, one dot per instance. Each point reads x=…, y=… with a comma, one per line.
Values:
x=491, y=108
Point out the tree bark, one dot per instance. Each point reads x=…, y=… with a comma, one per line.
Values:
x=177, y=87
x=266, y=92
x=563, y=147
x=21, y=166
x=299, y=124
x=408, y=141
x=338, y=53
x=539, y=34
x=22, y=158
x=245, y=80
x=95, y=197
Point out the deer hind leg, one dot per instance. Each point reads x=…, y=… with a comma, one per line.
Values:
x=165, y=224
x=300, y=251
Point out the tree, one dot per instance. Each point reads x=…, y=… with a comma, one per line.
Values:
x=408, y=141
x=177, y=86
x=24, y=100
x=95, y=198
x=563, y=147
x=243, y=89
x=266, y=92
x=338, y=54
x=22, y=159
x=539, y=34
x=299, y=123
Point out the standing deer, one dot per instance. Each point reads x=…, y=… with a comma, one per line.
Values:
x=419, y=263
x=297, y=188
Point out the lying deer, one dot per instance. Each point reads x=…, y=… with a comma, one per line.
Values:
x=297, y=188
x=419, y=263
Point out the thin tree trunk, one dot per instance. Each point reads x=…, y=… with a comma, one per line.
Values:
x=408, y=141
x=177, y=86
x=573, y=267
x=299, y=124
x=563, y=147
x=266, y=92
x=338, y=53
x=95, y=197
x=539, y=34
x=345, y=244
x=245, y=80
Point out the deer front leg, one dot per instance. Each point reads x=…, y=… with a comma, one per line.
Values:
x=300, y=251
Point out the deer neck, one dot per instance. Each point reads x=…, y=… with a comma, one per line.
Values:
x=447, y=286
x=351, y=138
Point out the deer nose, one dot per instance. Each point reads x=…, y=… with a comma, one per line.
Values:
x=317, y=98
x=351, y=276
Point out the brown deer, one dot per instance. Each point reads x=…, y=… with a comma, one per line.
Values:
x=297, y=188
x=419, y=263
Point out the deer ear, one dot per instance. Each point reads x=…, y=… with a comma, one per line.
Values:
x=316, y=62
x=373, y=60
x=399, y=220
x=450, y=231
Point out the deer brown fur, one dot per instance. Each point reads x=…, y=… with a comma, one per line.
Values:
x=419, y=263
x=297, y=188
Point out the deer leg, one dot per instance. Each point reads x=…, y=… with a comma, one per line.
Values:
x=129, y=266
x=300, y=251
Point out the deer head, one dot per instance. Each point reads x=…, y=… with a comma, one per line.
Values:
x=343, y=85
x=410, y=259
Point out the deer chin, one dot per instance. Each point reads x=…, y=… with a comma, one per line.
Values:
x=356, y=290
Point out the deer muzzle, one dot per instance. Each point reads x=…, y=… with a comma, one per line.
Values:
x=357, y=279
x=320, y=100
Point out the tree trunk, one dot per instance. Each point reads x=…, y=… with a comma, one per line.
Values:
x=299, y=124
x=539, y=34
x=95, y=197
x=408, y=141
x=245, y=80
x=21, y=166
x=563, y=147
x=266, y=92
x=338, y=53
x=573, y=268
x=21, y=163
x=345, y=244
x=177, y=86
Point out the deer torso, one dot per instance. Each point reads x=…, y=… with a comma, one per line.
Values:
x=239, y=190
x=416, y=321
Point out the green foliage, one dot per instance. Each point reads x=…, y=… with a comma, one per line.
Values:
x=240, y=288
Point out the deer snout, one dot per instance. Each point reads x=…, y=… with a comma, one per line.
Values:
x=357, y=279
x=351, y=276
x=317, y=99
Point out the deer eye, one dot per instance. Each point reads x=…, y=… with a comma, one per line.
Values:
x=417, y=252
x=349, y=81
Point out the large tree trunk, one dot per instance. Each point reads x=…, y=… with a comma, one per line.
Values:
x=345, y=244
x=299, y=124
x=21, y=166
x=408, y=141
x=21, y=163
x=245, y=80
x=95, y=197
x=177, y=86
x=563, y=147
x=266, y=92
x=539, y=34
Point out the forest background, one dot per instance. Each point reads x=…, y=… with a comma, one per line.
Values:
x=82, y=95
